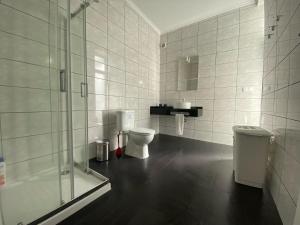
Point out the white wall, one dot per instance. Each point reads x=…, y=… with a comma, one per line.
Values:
x=230, y=49
x=280, y=103
x=123, y=70
x=123, y=73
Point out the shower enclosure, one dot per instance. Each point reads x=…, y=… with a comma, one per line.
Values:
x=45, y=69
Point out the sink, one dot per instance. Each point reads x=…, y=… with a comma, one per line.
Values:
x=184, y=105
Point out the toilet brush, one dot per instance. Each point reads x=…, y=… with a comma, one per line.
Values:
x=119, y=150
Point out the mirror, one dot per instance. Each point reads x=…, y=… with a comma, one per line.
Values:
x=187, y=73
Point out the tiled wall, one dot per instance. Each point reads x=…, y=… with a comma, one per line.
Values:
x=230, y=49
x=129, y=78
x=123, y=73
x=123, y=70
x=27, y=133
x=281, y=102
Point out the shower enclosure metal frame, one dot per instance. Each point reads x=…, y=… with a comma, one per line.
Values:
x=52, y=175
x=84, y=94
x=75, y=203
x=102, y=188
x=69, y=101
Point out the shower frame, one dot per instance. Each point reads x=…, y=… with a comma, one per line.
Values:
x=76, y=202
x=84, y=95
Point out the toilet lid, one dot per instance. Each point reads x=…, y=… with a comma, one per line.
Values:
x=142, y=131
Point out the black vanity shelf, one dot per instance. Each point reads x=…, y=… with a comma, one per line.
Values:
x=171, y=111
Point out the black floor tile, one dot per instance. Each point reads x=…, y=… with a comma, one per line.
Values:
x=183, y=182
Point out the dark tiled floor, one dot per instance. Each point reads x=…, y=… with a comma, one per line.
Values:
x=184, y=182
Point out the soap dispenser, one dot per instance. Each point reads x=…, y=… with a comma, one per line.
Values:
x=2, y=172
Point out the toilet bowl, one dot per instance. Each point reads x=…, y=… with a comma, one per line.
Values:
x=138, y=140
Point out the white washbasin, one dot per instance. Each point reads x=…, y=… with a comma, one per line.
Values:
x=184, y=105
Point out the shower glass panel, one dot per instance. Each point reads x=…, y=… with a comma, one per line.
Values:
x=43, y=107
x=29, y=107
x=80, y=98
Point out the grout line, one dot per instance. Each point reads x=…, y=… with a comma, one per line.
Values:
x=49, y=72
x=288, y=23
x=26, y=38
x=34, y=158
x=237, y=69
x=25, y=87
x=108, y=63
x=214, y=82
x=23, y=12
x=18, y=61
x=27, y=136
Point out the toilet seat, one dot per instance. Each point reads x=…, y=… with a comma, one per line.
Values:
x=142, y=131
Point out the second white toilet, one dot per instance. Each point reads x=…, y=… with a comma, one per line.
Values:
x=138, y=138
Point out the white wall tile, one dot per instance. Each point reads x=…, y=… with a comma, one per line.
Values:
x=223, y=77
x=251, y=40
x=248, y=92
x=116, y=46
x=35, y=8
x=226, y=69
x=116, y=75
x=207, y=49
x=189, y=31
x=96, y=19
x=228, y=32
x=225, y=81
x=203, y=136
x=204, y=38
x=250, y=66
x=252, y=26
x=16, y=48
x=293, y=106
x=224, y=116
x=227, y=57
x=96, y=35
x=174, y=36
x=285, y=206
x=247, y=118
x=207, y=25
x=228, y=44
x=203, y=125
x=224, y=104
x=251, y=13
x=13, y=99
x=252, y=105
x=229, y=19
x=25, y=124
x=225, y=92
x=23, y=25
x=15, y=73
x=222, y=138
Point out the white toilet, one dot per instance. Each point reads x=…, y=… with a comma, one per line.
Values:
x=138, y=138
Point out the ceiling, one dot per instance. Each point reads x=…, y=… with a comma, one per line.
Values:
x=167, y=15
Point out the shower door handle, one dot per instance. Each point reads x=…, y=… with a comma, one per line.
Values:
x=62, y=78
x=83, y=89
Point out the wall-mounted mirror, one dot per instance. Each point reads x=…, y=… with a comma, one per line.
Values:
x=187, y=73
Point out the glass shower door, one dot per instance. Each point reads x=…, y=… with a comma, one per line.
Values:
x=29, y=110
x=43, y=107
x=82, y=179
